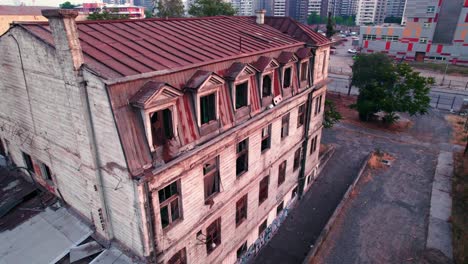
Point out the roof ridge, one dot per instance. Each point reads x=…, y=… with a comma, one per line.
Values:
x=150, y=19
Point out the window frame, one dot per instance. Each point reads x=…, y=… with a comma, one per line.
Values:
x=422, y=40
x=241, y=250
x=239, y=154
x=262, y=227
x=263, y=189
x=279, y=208
x=297, y=159
x=270, y=75
x=146, y=113
x=282, y=172
x=306, y=63
x=301, y=115
x=241, y=210
x=27, y=159
x=285, y=68
x=216, y=227
x=318, y=104
x=265, y=137
x=285, y=126
x=199, y=105
x=430, y=9
x=213, y=172
x=180, y=257
x=313, y=145
x=234, y=97
x=168, y=203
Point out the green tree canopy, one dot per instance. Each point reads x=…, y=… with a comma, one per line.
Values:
x=170, y=8
x=67, y=5
x=389, y=87
x=331, y=116
x=330, y=26
x=391, y=19
x=315, y=18
x=148, y=13
x=201, y=8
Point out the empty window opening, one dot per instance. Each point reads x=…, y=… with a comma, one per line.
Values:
x=287, y=77
x=266, y=86
x=46, y=172
x=301, y=115
x=213, y=235
x=266, y=138
x=211, y=177
x=241, y=95
x=318, y=104
x=281, y=173
x=179, y=257
x=242, y=249
x=28, y=161
x=263, y=189
x=285, y=126
x=304, y=71
x=279, y=208
x=262, y=227
x=313, y=145
x=169, y=204
x=242, y=157
x=162, y=129
x=241, y=210
x=297, y=159
x=208, y=108
x=2, y=149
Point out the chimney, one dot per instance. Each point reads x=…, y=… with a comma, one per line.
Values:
x=260, y=16
x=63, y=26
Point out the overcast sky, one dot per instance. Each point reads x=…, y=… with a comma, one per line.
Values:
x=43, y=2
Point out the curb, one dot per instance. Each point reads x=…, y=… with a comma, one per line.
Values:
x=323, y=235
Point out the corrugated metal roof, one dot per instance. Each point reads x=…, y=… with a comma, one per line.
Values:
x=130, y=47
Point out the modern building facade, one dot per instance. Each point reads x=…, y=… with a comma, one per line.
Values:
x=431, y=30
x=244, y=7
x=181, y=149
x=395, y=8
x=133, y=12
x=370, y=12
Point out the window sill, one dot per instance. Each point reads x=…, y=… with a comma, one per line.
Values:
x=210, y=199
x=241, y=173
x=265, y=150
x=209, y=127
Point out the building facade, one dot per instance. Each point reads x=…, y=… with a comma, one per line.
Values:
x=370, y=12
x=244, y=7
x=432, y=30
x=181, y=149
x=131, y=11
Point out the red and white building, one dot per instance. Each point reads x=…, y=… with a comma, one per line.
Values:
x=133, y=12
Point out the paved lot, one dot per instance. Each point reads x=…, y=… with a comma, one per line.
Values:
x=386, y=219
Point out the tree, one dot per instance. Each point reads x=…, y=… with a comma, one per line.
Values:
x=388, y=87
x=148, y=13
x=170, y=8
x=200, y=8
x=391, y=19
x=330, y=28
x=106, y=14
x=331, y=115
x=67, y=5
x=314, y=19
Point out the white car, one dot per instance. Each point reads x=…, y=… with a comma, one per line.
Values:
x=352, y=51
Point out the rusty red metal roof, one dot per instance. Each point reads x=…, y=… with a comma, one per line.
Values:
x=122, y=48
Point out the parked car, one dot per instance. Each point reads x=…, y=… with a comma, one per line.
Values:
x=352, y=51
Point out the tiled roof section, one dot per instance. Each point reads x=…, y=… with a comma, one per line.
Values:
x=297, y=30
x=130, y=47
x=197, y=79
x=150, y=90
x=285, y=57
x=303, y=53
x=262, y=63
x=237, y=68
x=6, y=10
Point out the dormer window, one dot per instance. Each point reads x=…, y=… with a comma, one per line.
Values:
x=208, y=108
x=158, y=107
x=242, y=94
x=266, y=86
x=287, y=77
x=304, y=67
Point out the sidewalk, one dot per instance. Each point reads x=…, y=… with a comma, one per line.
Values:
x=305, y=222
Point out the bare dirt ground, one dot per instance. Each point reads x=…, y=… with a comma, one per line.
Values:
x=386, y=219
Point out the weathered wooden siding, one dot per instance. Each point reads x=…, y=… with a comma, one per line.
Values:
x=197, y=215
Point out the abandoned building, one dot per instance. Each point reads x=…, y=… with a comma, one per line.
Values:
x=180, y=140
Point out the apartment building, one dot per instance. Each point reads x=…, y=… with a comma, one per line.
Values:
x=243, y=7
x=180, y=149
x=431, y=31
x=370, y=12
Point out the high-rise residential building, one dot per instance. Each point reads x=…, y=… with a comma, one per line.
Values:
x=272, y=7
x=243, y=7
x=395, y=8
x=370, y=12
x=431, y=30
x=314, y=6
x=348, y=7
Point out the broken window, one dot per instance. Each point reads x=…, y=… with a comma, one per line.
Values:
x=242, y=250
x=287, y=77
x=208, y=108
x=179, y=258
x=262, y=227
x=46, y=172
x=169, y=204
x=211, y=177
x=266, y=86
x=242, y=157
x=313, y=145
x=213, y=235
x=162, y=128
x=304, y=71
x=279, y=208
x=28, y=162
x=285, y=126
x=241, y=95
x=318, y=104
x=281, y=173
x=301, y=115
x=263, y=189
x=266, y=138
x=294, y=192
x=241, y=210
x=297, y=159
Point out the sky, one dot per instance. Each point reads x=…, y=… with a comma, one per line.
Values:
x=43, y=2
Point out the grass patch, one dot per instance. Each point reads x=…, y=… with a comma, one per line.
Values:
x=460, y=209
x=440, y=67
x=459, y=135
